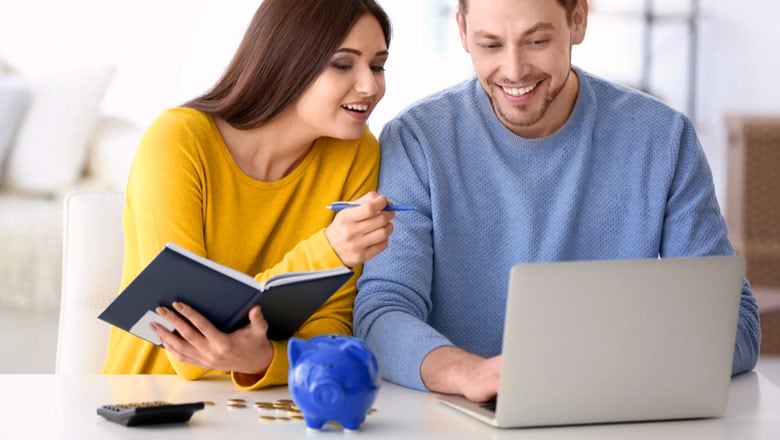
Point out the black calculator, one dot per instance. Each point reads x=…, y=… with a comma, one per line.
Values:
x=149, y=413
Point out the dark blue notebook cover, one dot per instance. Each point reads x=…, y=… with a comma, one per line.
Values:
x=221, y=294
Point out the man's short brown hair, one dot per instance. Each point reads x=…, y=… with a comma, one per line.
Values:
x=568, y=5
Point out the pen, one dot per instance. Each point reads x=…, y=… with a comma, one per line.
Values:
x=338, y=206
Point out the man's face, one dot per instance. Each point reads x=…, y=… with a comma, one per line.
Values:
x=521, y=50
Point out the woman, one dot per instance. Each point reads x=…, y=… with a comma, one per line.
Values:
x=242, y=176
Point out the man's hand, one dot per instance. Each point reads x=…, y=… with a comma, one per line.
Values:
x=452, y=370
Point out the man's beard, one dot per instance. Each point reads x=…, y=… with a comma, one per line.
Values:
x=525, y=119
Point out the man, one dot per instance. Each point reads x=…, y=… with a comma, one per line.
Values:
x=533, y=160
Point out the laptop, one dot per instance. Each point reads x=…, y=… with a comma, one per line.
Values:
x=615, y=341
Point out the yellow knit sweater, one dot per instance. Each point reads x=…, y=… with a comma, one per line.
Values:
x=185, y=187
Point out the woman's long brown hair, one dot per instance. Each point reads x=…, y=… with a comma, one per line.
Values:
x=286, y=46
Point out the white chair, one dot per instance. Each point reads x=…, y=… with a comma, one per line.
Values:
x=92, y=253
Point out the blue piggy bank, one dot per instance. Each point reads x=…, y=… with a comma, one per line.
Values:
x=332, y=378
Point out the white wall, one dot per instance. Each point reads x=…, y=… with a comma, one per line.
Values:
x=739, y=67
x=737, y=61
x=167, y=51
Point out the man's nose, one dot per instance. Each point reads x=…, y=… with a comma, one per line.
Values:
x=515, y=63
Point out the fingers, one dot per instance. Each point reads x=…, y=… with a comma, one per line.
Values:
x=177, y=346
x=374, y=250
x=361, y=225
x=353, y=245
x=183, y=343
x=361, y=232
x=257, y=320
x=198, y=342
x=376, y=202
x=369, y=206
x=370, y=243
x=190, y=324
x=174, y=344
x=368, y=197
x=483, y=380
x=194, y=332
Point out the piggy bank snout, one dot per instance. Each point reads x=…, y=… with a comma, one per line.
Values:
x=327, y=394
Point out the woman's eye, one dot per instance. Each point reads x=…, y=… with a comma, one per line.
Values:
x=341, y=66
x=378, y=68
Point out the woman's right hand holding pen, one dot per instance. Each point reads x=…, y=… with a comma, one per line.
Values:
x=360, y=232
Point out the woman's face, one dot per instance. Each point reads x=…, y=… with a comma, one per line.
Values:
x=339, y=101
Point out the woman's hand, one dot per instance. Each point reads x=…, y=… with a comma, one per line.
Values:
x=359, y=233
x=246, y=350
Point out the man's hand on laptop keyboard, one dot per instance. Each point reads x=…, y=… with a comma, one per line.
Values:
x=452, y=370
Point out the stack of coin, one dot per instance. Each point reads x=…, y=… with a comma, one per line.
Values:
x=271, y=411
x=282, y=406
x=236, y=403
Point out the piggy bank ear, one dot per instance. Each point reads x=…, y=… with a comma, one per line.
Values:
x=360, y=351
x=295, y=348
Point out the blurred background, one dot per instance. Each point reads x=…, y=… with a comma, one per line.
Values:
x=166, y=51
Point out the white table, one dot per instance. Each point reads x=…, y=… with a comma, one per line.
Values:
x=64, y=407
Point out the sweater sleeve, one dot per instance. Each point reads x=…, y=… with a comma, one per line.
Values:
x=695, y=226
x=394, y=293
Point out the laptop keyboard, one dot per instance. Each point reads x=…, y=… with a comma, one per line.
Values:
x=490, y=405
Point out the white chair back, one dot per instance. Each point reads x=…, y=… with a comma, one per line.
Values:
x=92, y=253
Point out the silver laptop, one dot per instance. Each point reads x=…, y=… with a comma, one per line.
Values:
x=615, y=341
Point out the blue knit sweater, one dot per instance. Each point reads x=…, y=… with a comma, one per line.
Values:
x=624, y=178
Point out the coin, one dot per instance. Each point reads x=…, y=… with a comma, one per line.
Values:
x=236, y=405
x=264, y=405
